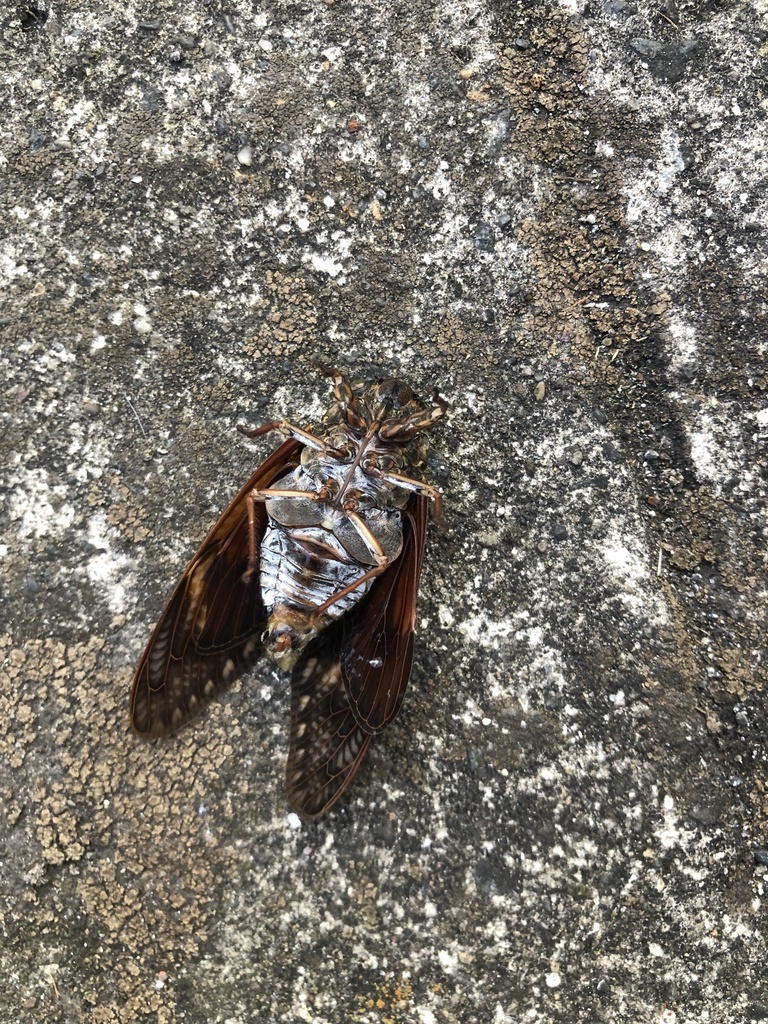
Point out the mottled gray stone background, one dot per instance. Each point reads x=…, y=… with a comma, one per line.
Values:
x=554, y=213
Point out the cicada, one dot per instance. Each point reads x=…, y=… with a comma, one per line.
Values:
x=315, y=563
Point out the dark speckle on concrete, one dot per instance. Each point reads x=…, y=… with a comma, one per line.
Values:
x=564, y=234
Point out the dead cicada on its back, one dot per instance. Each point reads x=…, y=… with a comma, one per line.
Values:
x=315, y=562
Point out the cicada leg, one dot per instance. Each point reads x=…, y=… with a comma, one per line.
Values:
x=305, y=436
x=418, y=486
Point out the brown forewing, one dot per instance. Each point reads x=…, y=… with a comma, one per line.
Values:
x=209, y=632
x=327, y=744
x=377, y=648
x=350, y=681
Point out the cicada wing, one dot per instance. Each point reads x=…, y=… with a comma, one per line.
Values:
x=327, y=744
x=209, y=632
x=377, y=648
x=350, y=681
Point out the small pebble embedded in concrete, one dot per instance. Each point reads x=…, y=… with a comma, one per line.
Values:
x=483, y=238
x=142, y=325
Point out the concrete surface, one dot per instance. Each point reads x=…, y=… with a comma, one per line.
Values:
x=553, y=212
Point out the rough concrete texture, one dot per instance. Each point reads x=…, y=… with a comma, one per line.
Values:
x=554, y=212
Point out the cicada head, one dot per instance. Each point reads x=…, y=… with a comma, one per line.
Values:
x=388, y=405
x=383, y=419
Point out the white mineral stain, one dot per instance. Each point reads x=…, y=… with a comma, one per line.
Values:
x=627, y=562
x=484, y=631
x=670, y=834
x=30, y=505
x=324, y=264
x=684, y=347
x=106, y=568
x=716, y=448
x=448, y=961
